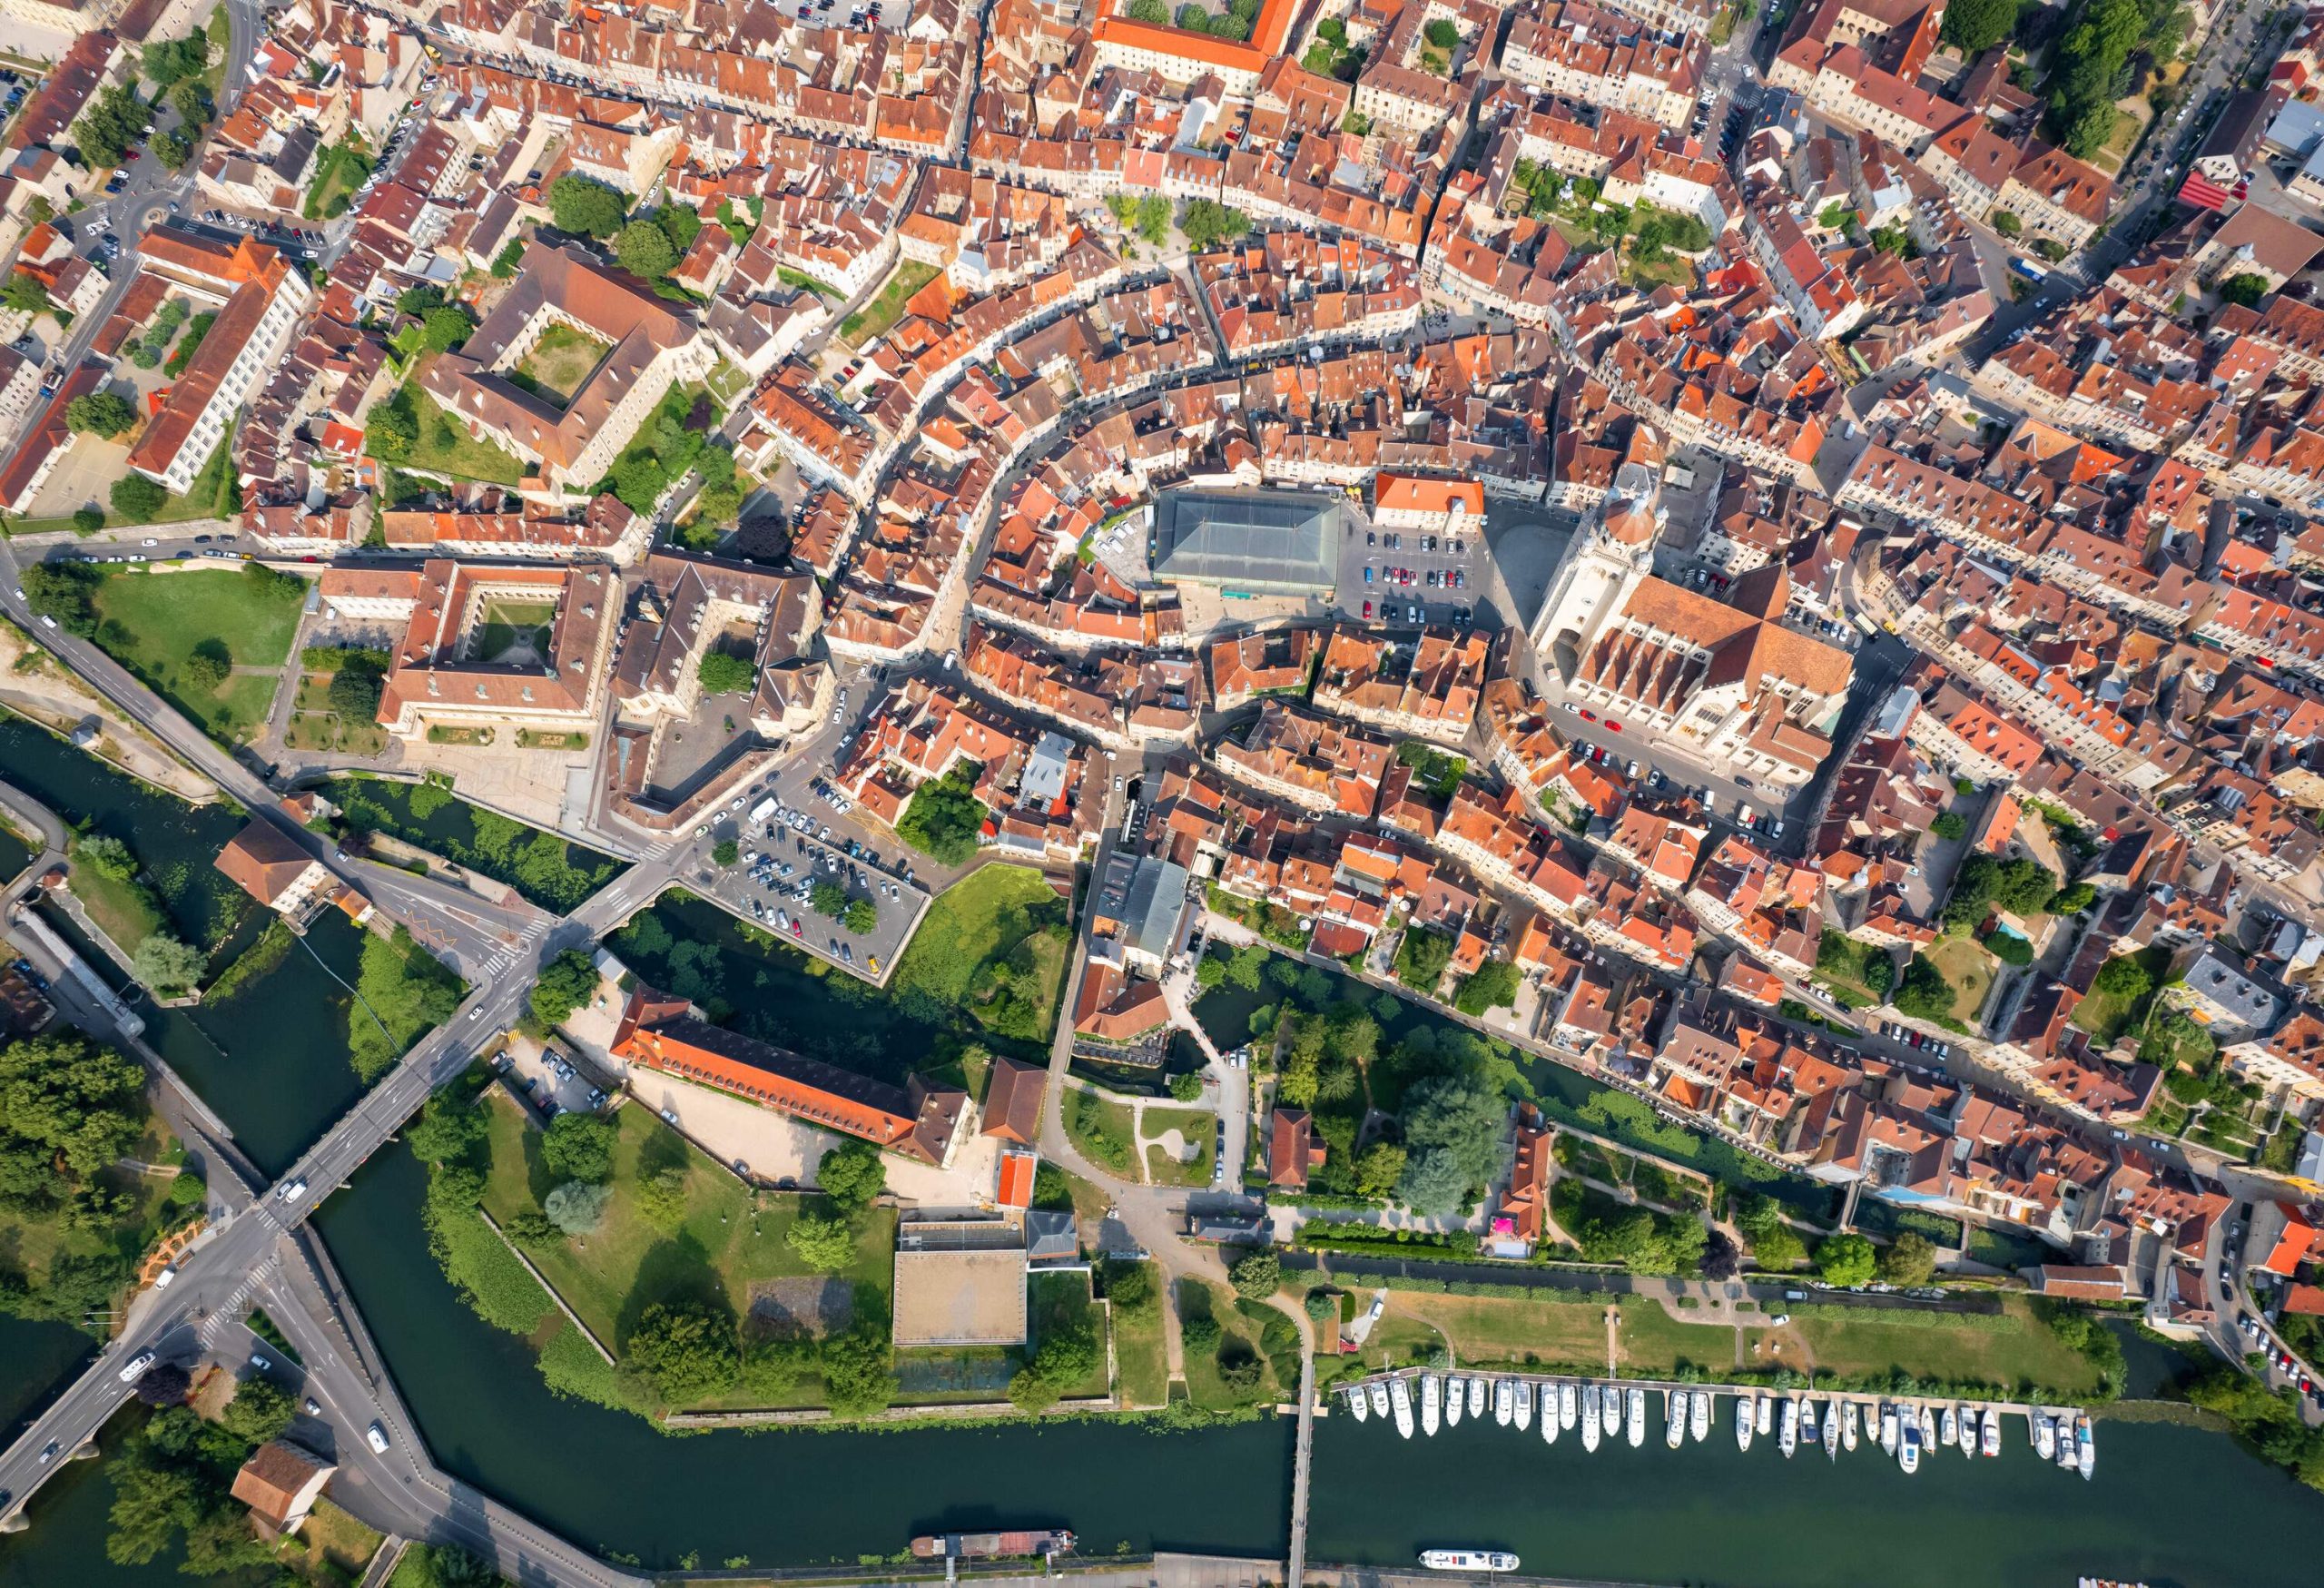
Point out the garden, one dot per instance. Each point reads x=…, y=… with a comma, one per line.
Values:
x=545, y=869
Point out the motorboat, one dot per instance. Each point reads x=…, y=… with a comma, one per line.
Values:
x=1832, y=1432
x=1453, y=1401
x=1593, y=1424
x=1746, y=1408
x=2066, y=1455
x=1807, y=1423
x=1927, y=1427
x=1476, y=1396
x=1468, y=1560
x=1380, y=1397
x=1888, y=1427
x=1524, y=1404
x=1400, y=1395
x=1698, y=1420
x=1637, y=1418
x=1765, y=1417
x=1848, y=1419
x=2086, y=1448
x=1431, y=1403
x=1908, y=1449
x=1550, y=1398
x=1610, y=1407
x=2045, y=1436
x=1990, y=1441
x=1569, y=1398
x=1790, y=1438
x=1947, y=1430
x=1359, y=1402
x=1505, y=1402
x=1674, y=1417
x=1969, y=1431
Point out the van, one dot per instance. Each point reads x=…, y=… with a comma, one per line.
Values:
x=378, y=1436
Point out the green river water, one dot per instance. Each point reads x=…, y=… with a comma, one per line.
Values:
x=2171, y=1506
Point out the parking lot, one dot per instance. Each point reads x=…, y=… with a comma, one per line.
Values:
x=785, y=850
x=1403, y=578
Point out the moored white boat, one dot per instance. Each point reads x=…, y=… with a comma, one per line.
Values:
x=1525, y=1404
x=1476, y=1395
x=1549, y=1420
x=1380, y=1397
x=1807, y=1423
x=1990, y=1440
x=1969, y=1431
x=1569, y=1399
x=1849, y=1417
x=1592, y=1421
x=1746, y=1408
x=1788, y=1440
x=1764, y=1419
x=1908, y=1448
x=1468, y=1560
x=1400, y=1396
x=2046, y=1434
x=1431, y=1403
x=1638, y=1417
x=1832, y=1432
x=1888, y=1426
x=2085, y=1447
x=1359, y=1402
x=1455, y=1398
x=1610, y=1407
x=1947, y=1430
x=1698, y=1419
x=1927, y=1427
x=1505, y=1402
x=1674, y=1417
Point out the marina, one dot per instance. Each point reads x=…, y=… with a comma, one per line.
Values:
x=1906, y=1428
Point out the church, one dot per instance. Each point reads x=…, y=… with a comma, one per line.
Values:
x=1722, y=679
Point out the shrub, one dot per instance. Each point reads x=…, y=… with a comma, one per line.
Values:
x=1257, y=1273
x=137, y=498
x=577, y=1206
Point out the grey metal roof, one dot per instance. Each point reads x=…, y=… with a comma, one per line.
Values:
x=1251, y=540
x=1155, y=907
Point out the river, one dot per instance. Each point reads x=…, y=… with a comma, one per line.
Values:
x=2171, y=1504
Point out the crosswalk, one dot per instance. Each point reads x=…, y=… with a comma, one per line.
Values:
x=230, y=1316
x=502, y=957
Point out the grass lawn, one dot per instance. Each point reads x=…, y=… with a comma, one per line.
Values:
x=339, y=172
x=1200, y=1128
x=2026, y=1355
x=1491, y=1330
x=1839, y=966
x=1967, y=966
x=1200, y=1298
x=2106, y=1016
x=727, y=384
x=125, y=912
x=331, y=1543
x=1059, y=1301
x=153, y=623
x=1142, y=1354
x=874, y=318
x=315, y=725
x=728, y=1240
x=560, y=361
x=509, y=624
x=1101, y=1128
x=992, y=926
x=446, y=448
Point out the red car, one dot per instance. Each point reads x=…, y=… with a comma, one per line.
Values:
x=1367, y=608
x=1586, y=714
x=1614, y=726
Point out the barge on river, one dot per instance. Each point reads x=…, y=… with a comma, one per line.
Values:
x=989, y=1546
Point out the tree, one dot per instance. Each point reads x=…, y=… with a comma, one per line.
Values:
x=1974, y=26
x=355, y=690
x=533, y=1230
x=69, y=1106
x=64, y=591
x=137, y=498
x=1719, y=1259
x=165, y=1383
x=1847, y=1261
x=1257, y=1273
x=1460, y=1117
x=945, y=818
x=1186, y=1086
x=171, y=150
x=2123, y=978
x=852, y=1175
x=2071, y=900
x=100, y=413
x=441, y=1565
x=116, y=118
x=1207, y=222
x=726, y=852
x=193, y=103
x=449, y=1130
x=1421, y=954
x=25, y=293
x=446, y=328
x=722, y=673
x=827, y=898
x=149, y=1505
x=824, y=1245
x=1198, y=1335
x=1924, y=992
x=586, y=208
x=774, y=1364
x=680, y=224
x=1949, y=825
x=577, y=1206
x=644, y=250
x=165, y=965
x=580, y=1147
x=687, y=1350
x=1441, y=34
x=858, y=1371
x=88, y=520
x=172, y=61
x=1910, y=1261
x=1494, y=986
x=1155, y=12
x=259, y=1412
x=861, y=916
x=208, y=665
x=1129, y=1286
x=393, y=429
x=566, y=984
x=1378, y=1168
x=2245, y=289
x=2006, y=224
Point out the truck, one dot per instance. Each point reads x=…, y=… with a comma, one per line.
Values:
x=763, y=809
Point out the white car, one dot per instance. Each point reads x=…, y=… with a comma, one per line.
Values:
x=134, y=1368
x=377, y=1435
